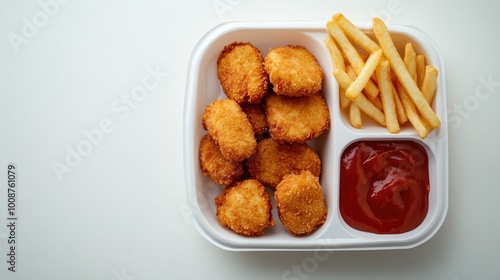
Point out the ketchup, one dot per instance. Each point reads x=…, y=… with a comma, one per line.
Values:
x=384, y=186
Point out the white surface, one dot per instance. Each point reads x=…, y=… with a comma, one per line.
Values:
x=121, y=212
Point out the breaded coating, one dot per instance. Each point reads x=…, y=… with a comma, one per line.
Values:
x=273, y=160
x=230, y=128
x=240, y=69
x=215, y=165
x=296, y=119
x=301, y=203
x=293, y=71
x=245, y=208
x=256, y=116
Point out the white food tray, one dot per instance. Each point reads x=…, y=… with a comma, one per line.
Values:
x=203, y=87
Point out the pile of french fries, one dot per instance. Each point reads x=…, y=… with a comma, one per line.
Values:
x=376, y=80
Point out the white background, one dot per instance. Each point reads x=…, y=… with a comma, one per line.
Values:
x=121, y=212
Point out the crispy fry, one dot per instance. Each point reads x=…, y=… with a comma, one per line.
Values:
x=384, y=83
x=384, y=38
x=373, y=112
x=354, y=33
x=429, y=83
x=343, y=100
x=420, y=70
x=355, y=116
x=410, y=61
x=350, y=71
x=351, y=54
x=357, y=86
x=400, y=110
x=375, y=101
x=338, y=63
x=362, y=102
x=418, y=123
x=337, y=58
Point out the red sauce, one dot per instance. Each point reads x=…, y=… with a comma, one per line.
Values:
x=384, y=186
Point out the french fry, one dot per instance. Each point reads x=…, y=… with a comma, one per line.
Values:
x=355, y=34
x=375, y=101
x=385, y=87
x=338, y=63
x=357, y=86
x=419, y=124
x=387, y=45
x=429, y=83
x=362, y=102
x=343, y=100
x=355, y=116
x=369, y=109
x=420, y=70
x=351, y=54
x=350, y=71
x=348, y=49
x=337, y=58
x=406, y=85
x=410, y=60
x=394, y=79
x=400, y=110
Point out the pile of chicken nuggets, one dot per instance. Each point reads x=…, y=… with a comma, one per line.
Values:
x=257, y=139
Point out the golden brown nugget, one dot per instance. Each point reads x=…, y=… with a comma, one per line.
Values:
x=240, y=69
x=293, y=71
x=296, y=119
x=230, y=128
x=301, y=203
x=256, y=116
x=215, y=165
x=245, y=208
x=273, y=160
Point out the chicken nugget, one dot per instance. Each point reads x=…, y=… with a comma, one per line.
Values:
x=240, y=69
x=300, y=203
x=273, y=160
x=230, y=128
x=296, y=119
x=245, y=208
x=215, y=165
x=293, y=71
x=256, y=116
